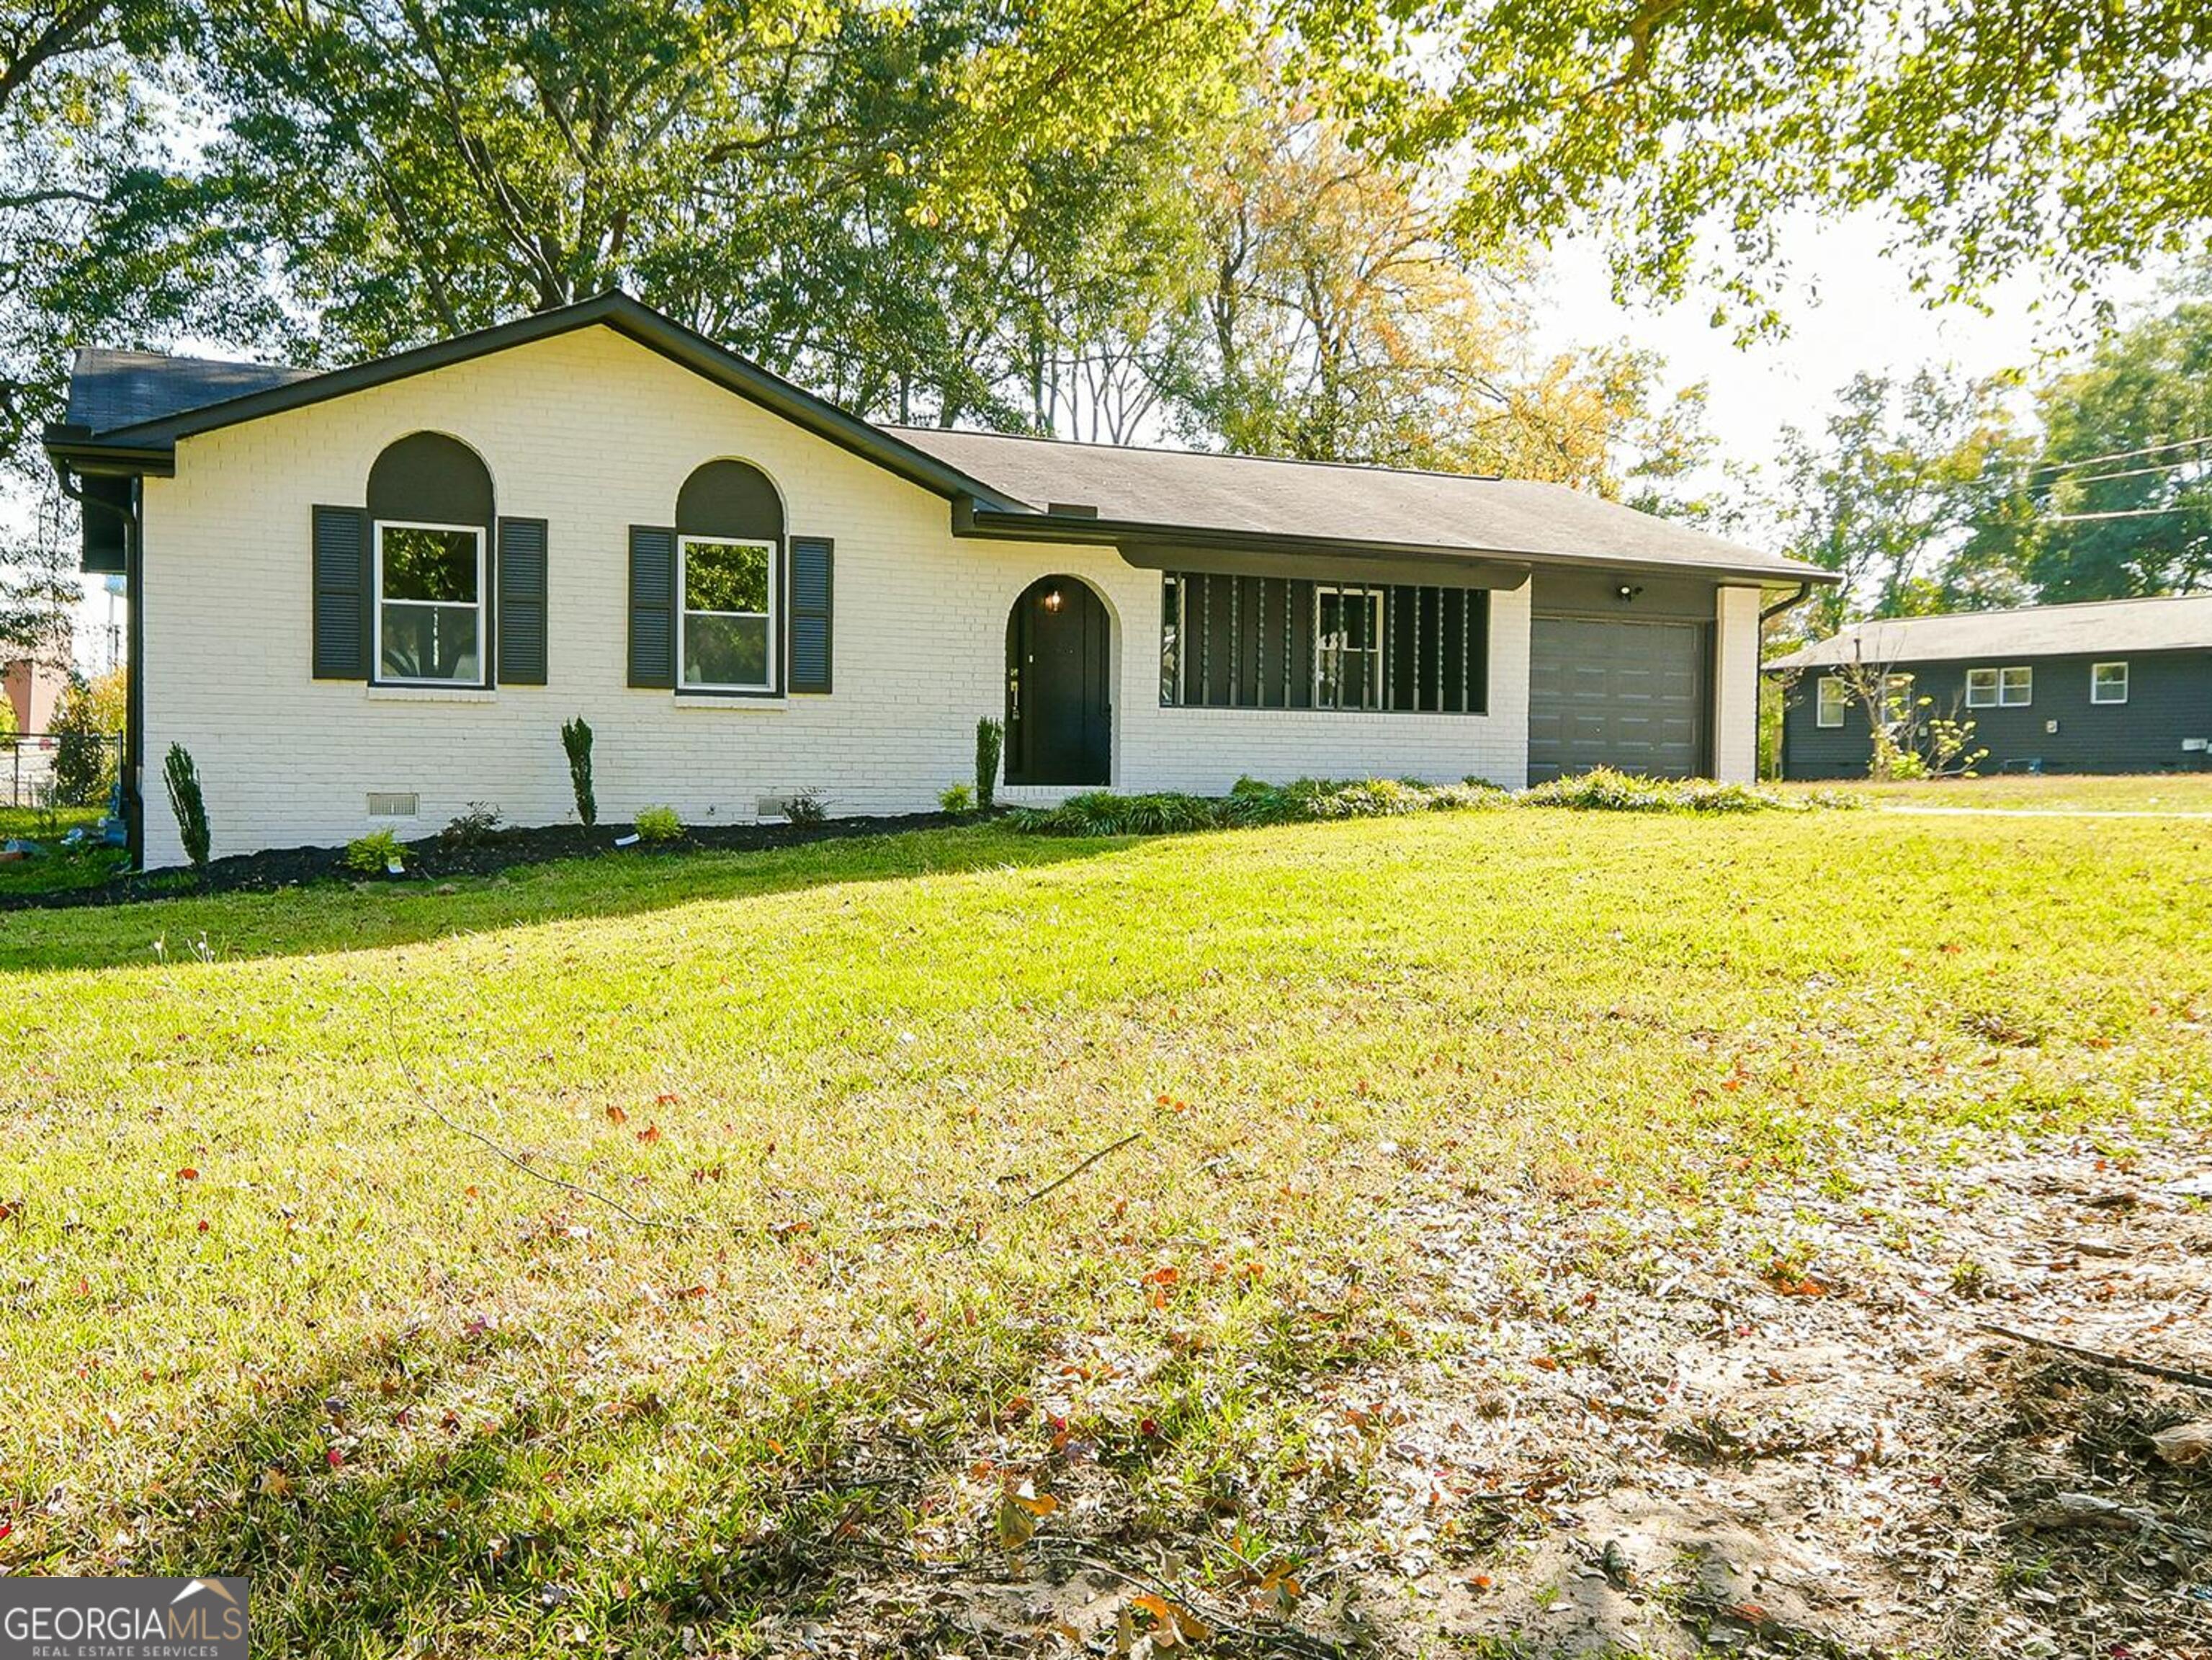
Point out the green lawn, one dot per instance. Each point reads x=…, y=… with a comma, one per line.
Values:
x=266, y=1312
x=60, y=867
x=2190, y=792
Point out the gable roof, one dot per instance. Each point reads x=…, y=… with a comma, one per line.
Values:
x=2179, y=622
x=127, y=412
x=1167, y=494
x=147, y=442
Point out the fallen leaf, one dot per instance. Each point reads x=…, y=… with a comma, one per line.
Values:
x=616, y=1115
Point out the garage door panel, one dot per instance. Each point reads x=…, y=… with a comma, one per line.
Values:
x=1616, y=694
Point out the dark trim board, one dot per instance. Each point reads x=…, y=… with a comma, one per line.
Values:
x=2169, y=702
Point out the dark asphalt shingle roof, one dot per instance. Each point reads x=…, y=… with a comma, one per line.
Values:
x=148, y=401
x=2180, y=623
x=113, y=389
x=1329, y=500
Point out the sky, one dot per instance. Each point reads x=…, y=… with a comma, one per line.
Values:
x=1851, y=307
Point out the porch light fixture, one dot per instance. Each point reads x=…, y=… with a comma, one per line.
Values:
x=1627, y=592
x=1052, y=601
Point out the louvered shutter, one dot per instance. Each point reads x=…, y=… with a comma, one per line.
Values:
x=812, y=561
x=343, y=592
x=522, y=602
x=651, y=607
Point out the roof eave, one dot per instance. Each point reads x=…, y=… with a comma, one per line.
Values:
x=77, y=448
x=976, y=520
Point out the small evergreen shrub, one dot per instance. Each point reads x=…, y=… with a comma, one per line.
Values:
x=375, y=854
x=576, y=739
x=990, y=741
x=956, y=798
x=657, y=825
x=1102, y=813
x=186, y=801
x=805, y=806
x=473, y=828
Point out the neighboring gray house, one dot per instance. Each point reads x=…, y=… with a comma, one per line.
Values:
x=370, y=596
x=2116, y=685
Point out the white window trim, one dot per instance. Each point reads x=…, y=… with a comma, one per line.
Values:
x=1372, y=699
x=2124, y=687
x=684, y=613
x=1987, y=699
x=1820, y=702
x=2005, y=699
x=376, y=609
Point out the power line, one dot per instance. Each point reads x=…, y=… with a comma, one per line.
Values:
x=2131, y=512
x=2119, y=455
x=2133, y=472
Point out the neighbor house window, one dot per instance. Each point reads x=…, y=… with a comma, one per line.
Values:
x=1235, y=642
x=429, y=603
x=1835, y=697
x=2108, y=683
x=728, y=618
x=1348, y=648
x=1992, y=689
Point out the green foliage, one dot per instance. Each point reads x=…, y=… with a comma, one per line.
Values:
x=375, y=854
x=1102, y=813
x=475, y=827
x=186, y=802
x=1605, y=790
x=1250, y=804
x=990, y=740
x=86, y=750
x=957, y=798
x=576, y=739
x=657, y=825
x=2115, y=503
x=1992, y=136
x=805, y=806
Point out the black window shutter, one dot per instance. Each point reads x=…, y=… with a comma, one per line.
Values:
x=651, y=606
x=812, y=561
x=343, y=585
x=521, y=609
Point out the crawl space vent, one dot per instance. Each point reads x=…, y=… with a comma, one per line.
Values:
x=392, y=803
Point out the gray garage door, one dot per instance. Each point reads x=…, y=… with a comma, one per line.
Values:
x=1608, y=694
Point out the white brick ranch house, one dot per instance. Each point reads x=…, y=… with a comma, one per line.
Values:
x=372, y=596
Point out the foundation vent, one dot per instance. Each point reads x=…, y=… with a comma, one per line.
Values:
x=393, y=803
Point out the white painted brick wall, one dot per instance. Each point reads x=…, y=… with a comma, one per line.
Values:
x=1736, y=685
x=593, y=433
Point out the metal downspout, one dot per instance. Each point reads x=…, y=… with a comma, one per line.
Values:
x=134, y=705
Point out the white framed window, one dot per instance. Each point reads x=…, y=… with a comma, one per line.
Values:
x=1981, y=688
x=725, y=626
x=1347, y=648
x=2108, y=683
x=429, y=612
x=1833, y=697
x=2000, y=689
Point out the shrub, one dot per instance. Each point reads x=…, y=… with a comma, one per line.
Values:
x=375, y=854
x=186, y=801
x=805, y=806
x=1102, y=813
x=472, y=827
x=1606, y=790
x=84, y=746
x=956, y=798
x=576, y=739
x=990, y=741
x=658, y=825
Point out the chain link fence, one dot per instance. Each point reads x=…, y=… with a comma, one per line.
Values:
x=58, y=769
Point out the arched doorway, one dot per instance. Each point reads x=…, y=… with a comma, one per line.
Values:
x=1060, y=714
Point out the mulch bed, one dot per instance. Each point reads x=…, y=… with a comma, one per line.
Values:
x=431, y=860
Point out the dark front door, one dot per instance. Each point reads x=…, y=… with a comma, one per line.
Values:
x=1059, y=716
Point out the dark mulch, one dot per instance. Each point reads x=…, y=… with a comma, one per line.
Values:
x=432, y=860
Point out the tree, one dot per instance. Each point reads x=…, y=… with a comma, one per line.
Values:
x=1341, y=324
x=2118, y=501
x=1890, y=488
x=1994, y=134
x=40, y=590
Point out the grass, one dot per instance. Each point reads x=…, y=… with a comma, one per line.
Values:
x=268, y=1310
x=62, y=868
x=2190, y=792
